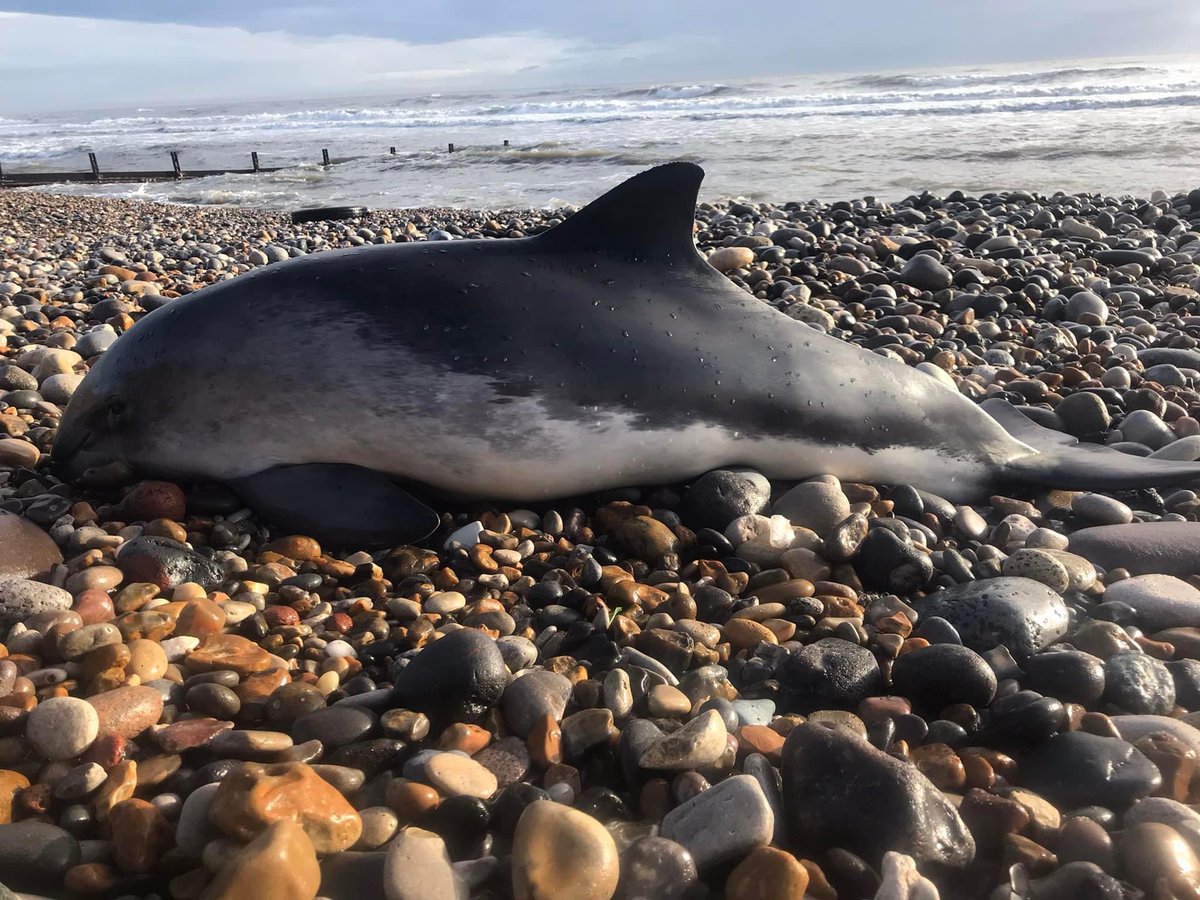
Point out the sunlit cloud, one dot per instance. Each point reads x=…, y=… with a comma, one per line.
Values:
x=62, y=62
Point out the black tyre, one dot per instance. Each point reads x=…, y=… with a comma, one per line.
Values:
x=324, y=213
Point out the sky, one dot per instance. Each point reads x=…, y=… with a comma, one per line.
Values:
x=84, y=54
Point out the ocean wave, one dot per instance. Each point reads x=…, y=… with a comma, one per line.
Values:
x=1094, y=74
x=632, y=105
x=677, y=91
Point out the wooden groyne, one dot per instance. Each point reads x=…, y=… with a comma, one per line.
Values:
x=9, y=179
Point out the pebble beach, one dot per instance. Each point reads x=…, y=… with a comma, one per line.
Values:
x=731, y=688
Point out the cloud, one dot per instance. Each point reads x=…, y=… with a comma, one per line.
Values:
x=65, y=62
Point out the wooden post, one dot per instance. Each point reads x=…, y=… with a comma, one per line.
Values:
x=1, y=175
x=95, y=166
x=506, y=142
x=393, y=150
x=451, y=150
x=254, y=159
x=175, y=163
x=324, y=157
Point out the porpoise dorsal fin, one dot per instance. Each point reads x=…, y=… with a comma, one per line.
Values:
x=649, y=216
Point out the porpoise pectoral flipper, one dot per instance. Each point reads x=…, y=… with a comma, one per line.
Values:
x=1059, y=460
x=346, y=505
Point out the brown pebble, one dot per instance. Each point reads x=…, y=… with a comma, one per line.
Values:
x=545, y=742
x=262, y=685
x=154, y=500
x=253, y=796
x=279, y=864
x=146, y=660
x=470, y=739
x=767, y=874
x=106, y=751
x=119, y=786
x=229, y=652
x=559, y=853
x=296, y=546
x=760, y=739
x=90, y=878
x=11, y=784
x=819, y=887
x=94, y=607
x=990, y=817
x=411, y=801
x=1152, y=851
x=188, y=734
x=154, y=770
x=1036, y=858
x=1175, y=760
x=1099, y=723
x=127, y=711
x=941, y=765
x=140, y=835
x=200, y=618
x=1084, y=840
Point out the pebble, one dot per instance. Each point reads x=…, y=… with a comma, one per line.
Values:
x=1152, y=853
x=228, y=652
x=723, y=823
x=253, y=796
x=20, y=599
x=278, y=864
x=767, y=873
x=925, y=272
x=1151, y=548
x=1139, y=684
x=718, y=497
x=535, y=694
x=816, y=505
x=839, y=791
x=943, y=674
x=28, y=552
x=1097, y=509
x=655, y=867
x=724, y=259
x=453, y=774
x=35, y=855
x=1038, y=566
x=62, y=727
x=417, y=867
x=561, y=852
x=1076, y=769
x=1071, y=676
x=1023, y=615
x=453, y=679
x=127, y=711
x=1160, y=601
x=334, y=726
x=699, y=743
x=828, y=674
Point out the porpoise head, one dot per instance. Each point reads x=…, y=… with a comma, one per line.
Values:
x=92, y=435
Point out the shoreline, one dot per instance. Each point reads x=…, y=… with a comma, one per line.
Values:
x=656, y=656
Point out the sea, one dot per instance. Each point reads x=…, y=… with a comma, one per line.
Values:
x=1117, y=126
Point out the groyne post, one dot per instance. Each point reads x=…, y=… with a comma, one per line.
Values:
x=175, y=163
x=95, y=165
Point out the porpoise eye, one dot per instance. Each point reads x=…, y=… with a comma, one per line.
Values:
x=116, y=410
